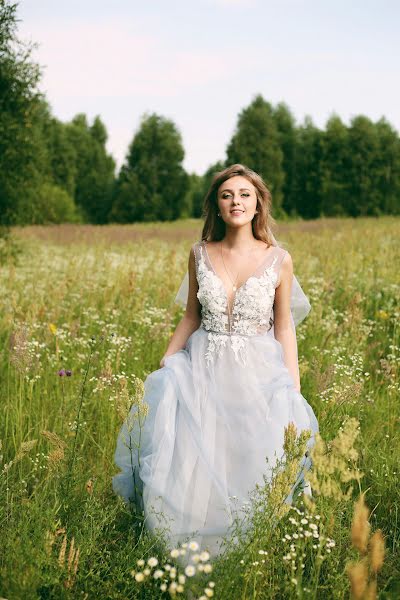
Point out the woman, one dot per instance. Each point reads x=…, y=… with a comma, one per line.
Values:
x=229, y=380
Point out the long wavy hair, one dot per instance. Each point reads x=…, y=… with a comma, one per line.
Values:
x=214, y=227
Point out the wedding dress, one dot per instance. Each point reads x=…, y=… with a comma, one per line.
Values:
x=217, y=409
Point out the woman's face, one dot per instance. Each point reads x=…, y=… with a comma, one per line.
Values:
x=237, y=201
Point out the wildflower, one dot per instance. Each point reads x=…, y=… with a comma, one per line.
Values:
x=158, y=573
x=204, y=556
x=193, y=546
x=207, y=568
x=61, y=372
x=68, y=373
x=190, y=570
x=196, y=558
x=53, y=328
x=139, y=576
x=208, y=592
x=152, y=562
x=175, y=553
x=163, y=587
x=181, y=579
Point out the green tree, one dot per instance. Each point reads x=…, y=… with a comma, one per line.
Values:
x=152, y=183
x=388, y=168
x=19, y=102
x=94, y=168
x=308, y=171
x=335, y=168
x=363, y=192
x=256, y=143
x=286, y=127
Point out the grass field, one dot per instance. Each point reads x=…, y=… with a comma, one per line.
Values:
x=98, y=302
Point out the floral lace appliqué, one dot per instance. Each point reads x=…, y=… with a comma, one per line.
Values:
x=251, y=310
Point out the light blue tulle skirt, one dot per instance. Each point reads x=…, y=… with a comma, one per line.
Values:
x=211, y=433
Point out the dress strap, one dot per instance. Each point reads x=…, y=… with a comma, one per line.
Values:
x=197, y=250
x=280, y=255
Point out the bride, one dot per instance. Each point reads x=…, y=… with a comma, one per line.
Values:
x=228, y=383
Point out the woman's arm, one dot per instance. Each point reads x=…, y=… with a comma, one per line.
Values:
x=282, y=319
x=192, y=316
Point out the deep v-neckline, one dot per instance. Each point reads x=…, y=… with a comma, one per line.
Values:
x=240, y=286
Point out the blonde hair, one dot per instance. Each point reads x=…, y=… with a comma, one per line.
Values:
x=214, y=227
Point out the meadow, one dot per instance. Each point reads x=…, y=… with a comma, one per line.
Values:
x=85, y=315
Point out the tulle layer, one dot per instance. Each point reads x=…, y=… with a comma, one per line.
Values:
x=209, y=430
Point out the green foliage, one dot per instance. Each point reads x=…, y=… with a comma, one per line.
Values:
x=61, y=295
x=94, y=168
x=256, y=143
x=52, y=204
x=152, y=183
x=18, y=103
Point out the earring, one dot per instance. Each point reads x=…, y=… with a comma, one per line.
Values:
x=218, y=214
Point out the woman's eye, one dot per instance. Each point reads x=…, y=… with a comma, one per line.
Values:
x=227, y=195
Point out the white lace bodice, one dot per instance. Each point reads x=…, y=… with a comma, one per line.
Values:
x=252, y=303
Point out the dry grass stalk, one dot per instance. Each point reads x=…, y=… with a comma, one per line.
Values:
x=294, y=447
x=57, y=455
x=360, y=526
x=54, y=458
x=363, y=574
x=377, y=551
x=49, y=538
x=24, y=449
x=54, y=439
x=358, y=575
x=370, y=593
x=20, y=357
x=330, y=463
x=72, y=560
x=61, y=555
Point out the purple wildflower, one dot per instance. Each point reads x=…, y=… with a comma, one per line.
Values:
x=61, y=372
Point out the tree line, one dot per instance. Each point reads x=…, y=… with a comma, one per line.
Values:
x=53, y=171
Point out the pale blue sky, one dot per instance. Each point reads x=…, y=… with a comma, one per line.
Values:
x=200, y=62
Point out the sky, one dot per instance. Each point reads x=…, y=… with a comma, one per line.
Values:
x=201, y=62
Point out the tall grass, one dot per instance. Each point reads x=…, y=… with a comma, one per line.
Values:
x=86, y=314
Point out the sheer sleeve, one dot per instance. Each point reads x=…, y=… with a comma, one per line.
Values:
x=182, y=294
